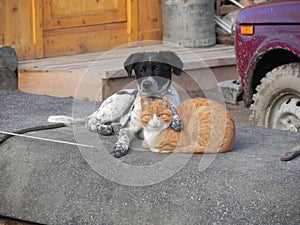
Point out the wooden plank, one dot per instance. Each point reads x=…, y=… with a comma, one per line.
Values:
x=24, y=20
x=12, y=17
x=3, y=21
x=108, y=60
x=38, y=28
x=150, y=20
x=85, y=39
x=150, y=15
x=155, y=34
x=25, y=29
x=66, y=14
x=61, y=84
x=132, y=20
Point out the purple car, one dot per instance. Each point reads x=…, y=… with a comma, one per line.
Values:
x=267, y=42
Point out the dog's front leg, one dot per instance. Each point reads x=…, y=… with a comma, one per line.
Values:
x=107, y=130
x=106, y=119
x=126, y=135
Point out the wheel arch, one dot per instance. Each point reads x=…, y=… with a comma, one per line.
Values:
x=276, y=103
x=268, y=61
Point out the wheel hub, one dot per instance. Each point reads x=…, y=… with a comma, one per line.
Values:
x=285, y=114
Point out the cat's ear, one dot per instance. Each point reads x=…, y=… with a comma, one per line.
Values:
x=166, y=101
x=145, y=102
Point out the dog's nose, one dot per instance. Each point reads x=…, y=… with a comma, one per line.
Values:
x=147, y=84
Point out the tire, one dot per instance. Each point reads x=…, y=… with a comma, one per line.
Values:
x=277, y=101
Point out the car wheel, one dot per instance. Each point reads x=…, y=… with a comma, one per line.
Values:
x=277, y=101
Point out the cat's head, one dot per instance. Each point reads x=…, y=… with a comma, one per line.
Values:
x=156, y=114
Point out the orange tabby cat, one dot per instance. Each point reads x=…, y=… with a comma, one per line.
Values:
x=207, y=126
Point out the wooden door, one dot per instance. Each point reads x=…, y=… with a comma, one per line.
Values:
x=21, y=27
x=45, y=28
x=79, y=26
x=77, y=13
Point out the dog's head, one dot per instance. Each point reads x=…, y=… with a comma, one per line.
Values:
x=153, y=70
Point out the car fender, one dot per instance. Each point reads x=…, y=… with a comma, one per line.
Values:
x=267, y=45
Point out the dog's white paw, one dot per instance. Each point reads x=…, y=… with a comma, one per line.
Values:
x=105, y=130
x=119, y=150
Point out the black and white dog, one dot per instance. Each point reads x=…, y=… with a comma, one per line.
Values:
x=120, y=113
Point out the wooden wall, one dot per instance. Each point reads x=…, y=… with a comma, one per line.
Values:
x=46, y=28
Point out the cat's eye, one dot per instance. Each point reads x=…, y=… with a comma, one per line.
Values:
x=148, y=117
x=163, y=115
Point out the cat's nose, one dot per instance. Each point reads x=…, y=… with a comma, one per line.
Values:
x=147, y=84
x=155, y=123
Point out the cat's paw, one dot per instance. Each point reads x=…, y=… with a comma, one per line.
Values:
x=145, y=144
x=156, y=150
x=176, y=124
x=105, y=130
x=119, y=150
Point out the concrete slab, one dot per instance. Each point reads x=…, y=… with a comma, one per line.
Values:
x=52, y=183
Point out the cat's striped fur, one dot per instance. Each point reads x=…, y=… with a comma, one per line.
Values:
x=207, y=126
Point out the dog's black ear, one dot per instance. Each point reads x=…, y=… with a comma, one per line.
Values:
x=131, y=61
x=172, y=59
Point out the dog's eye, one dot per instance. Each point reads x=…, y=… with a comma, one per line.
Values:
x=141, y=70
x=156, y=70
